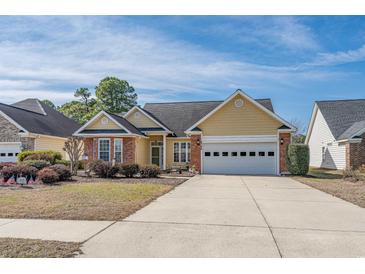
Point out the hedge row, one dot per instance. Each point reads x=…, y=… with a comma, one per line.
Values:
x=47, y=174
x=107, y=170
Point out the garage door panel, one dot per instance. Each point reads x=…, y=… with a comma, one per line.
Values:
x=239, y=158
x=9, y=152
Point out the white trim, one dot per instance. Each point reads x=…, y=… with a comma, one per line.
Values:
x=121, y=150
x=186, y=151
x=35, y=135
x=160, y=158
x=278, y=154
x=148, y=116
x=240, y=92
x=311, y=123
x=240, y=139
x=152, y=133
x=355, y=141
x=110, y=143
x=164, y=152
x=13, y=122
x=10, y=143
x=109, y=135
x=77, y=133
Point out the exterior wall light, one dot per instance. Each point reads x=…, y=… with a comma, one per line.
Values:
x=198, y=142
x=281, y=141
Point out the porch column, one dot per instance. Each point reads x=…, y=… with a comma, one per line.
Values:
x=164, y=152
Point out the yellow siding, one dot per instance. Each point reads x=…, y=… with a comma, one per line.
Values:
x=47, y=143
x=170, y=152
x=142, y=151
x=98, y=125
x=246, y=120
x=141, y=121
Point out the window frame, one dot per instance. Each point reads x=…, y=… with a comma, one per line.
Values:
x=121, y=150
x=104, y=139
x=187, y=152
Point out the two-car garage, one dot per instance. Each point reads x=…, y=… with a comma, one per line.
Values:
x=227, y=156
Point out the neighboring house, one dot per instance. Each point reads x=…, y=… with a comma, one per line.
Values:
x=336, y=134
x=32, y=125
x=237, y=136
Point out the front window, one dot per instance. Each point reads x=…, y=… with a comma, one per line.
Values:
x=182, y=152
x=118, y=150
x=104, y=149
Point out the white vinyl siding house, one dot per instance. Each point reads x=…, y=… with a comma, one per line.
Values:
x=325, y=151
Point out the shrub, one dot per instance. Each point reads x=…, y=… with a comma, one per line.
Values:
x=129, y=170
x=48, y=176
x=149, y=171
x=53, y=155
x=39, y=157
x=82, y=163
x=38, y=164
x=63, y=172
x=19, y=171
x=62, y=162
x=297, y=159
x=351, y=175
x=104, y=169
x=5, y=164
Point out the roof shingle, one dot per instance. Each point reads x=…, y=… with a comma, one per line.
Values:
x=342, y=116
x=33, y=119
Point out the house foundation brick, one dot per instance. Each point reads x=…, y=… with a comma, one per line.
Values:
x=196, y=148
x=355, y=154
x=129, y=150
x=286, y=137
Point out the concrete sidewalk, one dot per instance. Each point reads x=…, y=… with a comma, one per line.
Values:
x=56, y=230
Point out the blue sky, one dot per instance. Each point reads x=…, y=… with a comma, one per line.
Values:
x=292, y=60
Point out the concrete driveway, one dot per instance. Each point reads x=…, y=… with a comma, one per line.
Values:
x=237, y=216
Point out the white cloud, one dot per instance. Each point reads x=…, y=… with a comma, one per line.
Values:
x=340, y=57
x=54, y=52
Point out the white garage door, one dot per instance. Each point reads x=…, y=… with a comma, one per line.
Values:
x=239, y=158
x=9, y=151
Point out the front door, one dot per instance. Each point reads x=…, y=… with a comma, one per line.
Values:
x=156, y=155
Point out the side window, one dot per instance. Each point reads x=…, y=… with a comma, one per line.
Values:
x=243, y=153
x=207, y=153
x=215, y=153
x=224, y=153
x=252, y=153
x=234, y=154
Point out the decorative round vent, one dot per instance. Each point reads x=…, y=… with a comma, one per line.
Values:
x=238, y=103
x=104, y=121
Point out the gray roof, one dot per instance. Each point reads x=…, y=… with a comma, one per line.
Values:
x=353, y=130
x=30, y=104
x=37, y=117
x=179, y=116
x=344, y=117
x=125, y=123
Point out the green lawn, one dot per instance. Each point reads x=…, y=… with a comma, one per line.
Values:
x=79, y=201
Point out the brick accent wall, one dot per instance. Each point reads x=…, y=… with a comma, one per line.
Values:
x=355, y=154
x=196, y=151
x=129, y=150
x=282, y=150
